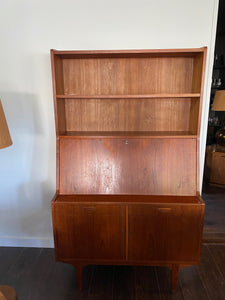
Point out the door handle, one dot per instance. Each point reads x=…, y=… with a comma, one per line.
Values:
x=164, y=209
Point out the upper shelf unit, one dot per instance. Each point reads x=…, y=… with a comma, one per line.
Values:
x=137, y=73
x=143, y=93
x=128, y=134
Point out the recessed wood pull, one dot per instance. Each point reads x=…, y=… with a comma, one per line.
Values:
x=164, y=209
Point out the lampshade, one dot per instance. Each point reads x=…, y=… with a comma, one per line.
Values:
x=219, y=101
x=5, y=138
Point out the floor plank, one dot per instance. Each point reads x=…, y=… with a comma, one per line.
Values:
x=124, y=283
x=214, y=221
x=146, y=283
x=8, y=257
x=191, y=284
x=218, y=253
x=56, y=280
x=101, y=285
x=20, y=274
x=210, y=275
x=164, y=280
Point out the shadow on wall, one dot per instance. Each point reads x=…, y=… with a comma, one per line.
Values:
x=23, y=112
x=29, y=165
x=36, y=219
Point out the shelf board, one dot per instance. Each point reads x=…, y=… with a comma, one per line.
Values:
x=70, y=96
x=128, y=134
x=150, y=53
x=148, y=199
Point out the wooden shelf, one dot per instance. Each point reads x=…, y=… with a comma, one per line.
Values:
x=70, y=96
x=128, y=134
x=129, y=199
x=76, y=54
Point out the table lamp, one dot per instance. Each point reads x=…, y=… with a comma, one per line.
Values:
x=219, y=105
x=5, y=138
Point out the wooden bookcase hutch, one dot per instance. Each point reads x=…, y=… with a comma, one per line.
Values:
x=127, y=135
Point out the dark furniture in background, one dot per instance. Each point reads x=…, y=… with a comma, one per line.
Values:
x=216, y=118
x=215, y=165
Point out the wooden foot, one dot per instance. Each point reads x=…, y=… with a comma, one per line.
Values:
x=174, y=277
x=79, y=270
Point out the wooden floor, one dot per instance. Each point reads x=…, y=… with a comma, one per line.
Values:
x=214, y=223
x=35, y=275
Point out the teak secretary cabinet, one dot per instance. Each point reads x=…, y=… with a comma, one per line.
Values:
x=127, y=134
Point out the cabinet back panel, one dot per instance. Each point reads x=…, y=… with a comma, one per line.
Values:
x=111, y=76
x=113, y=166
x=165, y=114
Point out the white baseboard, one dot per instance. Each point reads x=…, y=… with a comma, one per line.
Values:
x=39, y=242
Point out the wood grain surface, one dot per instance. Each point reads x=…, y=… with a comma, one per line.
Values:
x=127, y=128
x=113, y=166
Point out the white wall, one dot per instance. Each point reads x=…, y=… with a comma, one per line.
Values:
x=28, y=29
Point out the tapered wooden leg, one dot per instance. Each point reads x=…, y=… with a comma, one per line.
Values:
x=79, y=271
x=174, y=277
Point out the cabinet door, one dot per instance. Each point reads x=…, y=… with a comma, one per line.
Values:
x=165, y=233
x=89, y=231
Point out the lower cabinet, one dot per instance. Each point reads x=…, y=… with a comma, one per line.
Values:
x=162, y=234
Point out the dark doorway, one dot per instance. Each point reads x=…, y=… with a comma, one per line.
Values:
x=214, y=175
